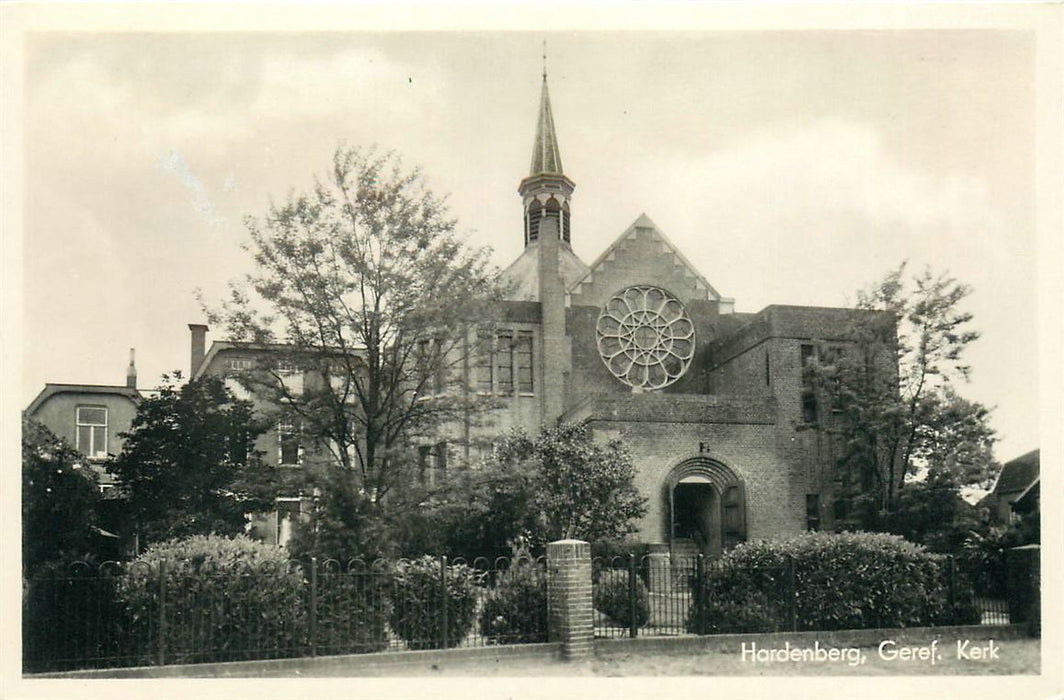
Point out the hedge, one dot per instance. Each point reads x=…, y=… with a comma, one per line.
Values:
x=417, y=603
x=217, y=607
x=842, y=581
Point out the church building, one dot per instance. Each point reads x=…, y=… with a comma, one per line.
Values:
x=637, y=344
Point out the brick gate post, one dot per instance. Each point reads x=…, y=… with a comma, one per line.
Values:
x=569, y=597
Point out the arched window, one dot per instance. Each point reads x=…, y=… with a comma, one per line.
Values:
x=553, y=210
x=566, y=236
x=532, y=217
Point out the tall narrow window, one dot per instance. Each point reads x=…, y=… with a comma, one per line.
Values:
x=809, y=412
x=441, y=460
x=535, y=213
x=524, y=362
x=809, y=402
x=485, y=362
x=505, y=354
x=289, y=449
x=424, y=463
x=812, y=511
x=92, y=431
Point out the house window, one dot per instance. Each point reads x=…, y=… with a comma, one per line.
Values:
x=289, y=449
x=430, y=368
x=432, y=463
x=291, y=378
x=238, y=364
x=505, y=364
x=288, y=512
x=812, y=511
x=523, y=353
x=92, y=431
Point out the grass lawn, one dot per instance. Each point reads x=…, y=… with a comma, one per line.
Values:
x=1015, y=657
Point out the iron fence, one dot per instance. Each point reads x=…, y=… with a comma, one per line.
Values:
x=660, y=595
x=118, y=615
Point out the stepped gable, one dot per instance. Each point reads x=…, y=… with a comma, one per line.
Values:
x=641, y=255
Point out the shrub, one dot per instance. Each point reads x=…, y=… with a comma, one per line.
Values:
x=226, y=599
x=70, y=613
x=417, y=604
x=515, y=611
x=352, y=609
x=612, y=599
x=748, y=612
x=843, y=581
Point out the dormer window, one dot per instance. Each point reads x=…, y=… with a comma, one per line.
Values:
x=92, y=431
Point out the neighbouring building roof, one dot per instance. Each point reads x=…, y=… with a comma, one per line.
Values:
x=51, y=390
x=1018, y=474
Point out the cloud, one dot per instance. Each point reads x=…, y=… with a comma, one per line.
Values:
x=174, y=163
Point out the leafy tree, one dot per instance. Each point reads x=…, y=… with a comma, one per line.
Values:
x=188, y=465
x=363, y=283
x=59, y=499
x=559, y=485
x=899, y=420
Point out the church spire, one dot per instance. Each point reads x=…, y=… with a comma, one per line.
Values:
x=546, y=190
x=546, y=157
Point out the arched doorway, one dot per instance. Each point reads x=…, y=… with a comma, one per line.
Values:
x=707, y=507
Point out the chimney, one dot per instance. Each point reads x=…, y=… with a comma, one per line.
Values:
x=198, y=333
x=131, y=371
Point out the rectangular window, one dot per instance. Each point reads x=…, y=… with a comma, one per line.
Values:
x=288, y=512
x=441, y=459
x=91, y=431
x=812, y=511
x=505, y=355
x=524, y=362
x=809, y=406
x=808, y=356
x=238, y=364
x=485, y=361
x=424, y=463
x=289, y=449
x=291, y=378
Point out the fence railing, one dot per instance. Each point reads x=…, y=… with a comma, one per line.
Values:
x=126, y=615
x=662, y=595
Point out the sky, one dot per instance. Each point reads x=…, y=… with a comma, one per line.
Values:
x=789, y=167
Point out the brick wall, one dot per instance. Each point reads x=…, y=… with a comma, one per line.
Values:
x=775, y=495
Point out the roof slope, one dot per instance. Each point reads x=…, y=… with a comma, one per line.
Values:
x=51, y=390
x=523, y=273
x=1018, y=474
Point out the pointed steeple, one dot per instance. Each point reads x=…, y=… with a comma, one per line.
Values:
x=546, y=157
x=546, y=190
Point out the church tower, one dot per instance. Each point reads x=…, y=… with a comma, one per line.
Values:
x=546, y=191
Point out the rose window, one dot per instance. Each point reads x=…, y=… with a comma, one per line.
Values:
x=645, y=337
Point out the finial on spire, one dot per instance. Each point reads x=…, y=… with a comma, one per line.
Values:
x=544, y=60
